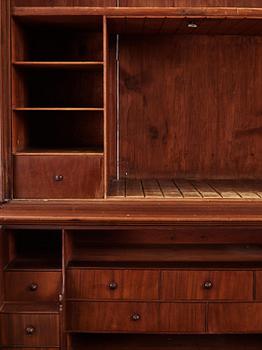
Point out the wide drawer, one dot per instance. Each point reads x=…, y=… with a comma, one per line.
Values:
x=207, y=285
x=112, y=316
x=235, y=318
x=57, y=176
x=113, y=284
x=30, y=330
x=182, y=317
x=32, y=286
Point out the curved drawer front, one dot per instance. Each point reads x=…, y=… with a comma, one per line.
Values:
x=113, y=284
x=30, y=330
x=207, y=285
x=32, y=286
x=235, y=318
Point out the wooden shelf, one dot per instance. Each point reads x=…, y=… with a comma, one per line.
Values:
x=82, y=109
x=43, y=264
x=32, y=152
x=186, y=189
x=62, y=65
x=30, y=308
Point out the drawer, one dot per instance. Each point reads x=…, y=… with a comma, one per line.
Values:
x=207, y=285
x=112, y=316
x=70, y=176
x=235, y=318
x=259, y=285
x=113, y=284
x=32, y=286
x=182, y=317
x=30, y=330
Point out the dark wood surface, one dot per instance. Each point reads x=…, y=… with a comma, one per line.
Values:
x=225, y=285
x=34, y=176
x=32, y=286
x=259, y=285
x=14, y=326
x=112, y=284
x=235, y=318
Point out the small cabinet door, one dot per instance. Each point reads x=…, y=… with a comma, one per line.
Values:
x=112, y=284
x=112, y=316
x=182, y=317
x=207, y=285
x=235, y=318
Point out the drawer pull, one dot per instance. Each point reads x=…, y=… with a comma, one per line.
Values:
x=59, y=177
x=112, y=285
x=207, y=285
x=33, y=287
x=30, y=330
x=135, y=317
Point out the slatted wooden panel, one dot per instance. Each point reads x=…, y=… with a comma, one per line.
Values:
x=186, y=189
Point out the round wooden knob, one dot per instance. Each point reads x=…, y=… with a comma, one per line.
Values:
x=207, y=285
x=33, y=287
x=112, y=285
x=30, y=330
x=59, y=177
x=135, y=317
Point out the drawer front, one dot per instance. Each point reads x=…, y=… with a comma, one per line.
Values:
x=32, y=286
x=182, y=317
x=29, y=330
x=113, y=284
x=259, y=285
x=112, y=316
x=58, y=176
x=207, y=285
x=235, y=318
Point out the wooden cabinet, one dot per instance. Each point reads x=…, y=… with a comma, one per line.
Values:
x=130, y=174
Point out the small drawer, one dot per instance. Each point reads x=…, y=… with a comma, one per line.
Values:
x=30, y=330
x=113, y=284
x=207, y=285
x=56, y=176
x=112, y=316
x=32, y=286
x=235, y=318
x=259, y=285
x=182, y=317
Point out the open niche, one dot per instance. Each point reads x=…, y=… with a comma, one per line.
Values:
x=188, y=121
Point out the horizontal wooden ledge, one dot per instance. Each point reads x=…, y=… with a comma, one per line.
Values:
x=107, y=212
x=141, y=11
x=60, y=64
x=59, y=153
x=30, y=308
x=76, y=109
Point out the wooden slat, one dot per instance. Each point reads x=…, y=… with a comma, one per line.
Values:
x=225, y=189
x=151, y=189
x=134, y=188
x=245, y=190
x=187, y=189
x=205, y=190
x=169, y=189
x=117, y=189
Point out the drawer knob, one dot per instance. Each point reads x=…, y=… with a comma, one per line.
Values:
x=30, y=330
x=135, y=317
x=207, y=285
x=59, y=177
x=33, y=287
x=112, y=285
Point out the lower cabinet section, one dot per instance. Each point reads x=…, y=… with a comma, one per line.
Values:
x=235, y=318
x=135, y=317
x=29, y=330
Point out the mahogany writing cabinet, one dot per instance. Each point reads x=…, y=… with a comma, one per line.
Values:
x=131, y=174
